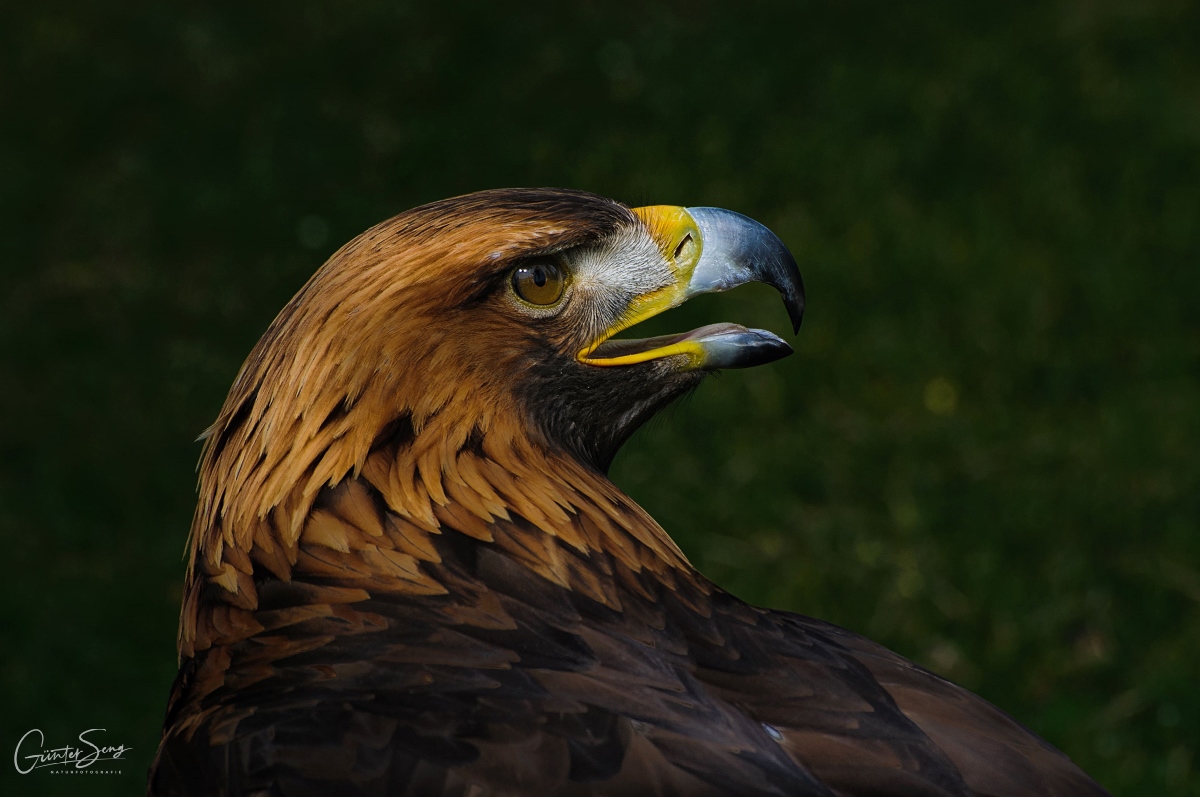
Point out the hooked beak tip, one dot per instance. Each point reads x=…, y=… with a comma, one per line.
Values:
x=737, y=249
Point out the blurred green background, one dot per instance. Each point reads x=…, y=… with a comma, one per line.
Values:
x=983, y=454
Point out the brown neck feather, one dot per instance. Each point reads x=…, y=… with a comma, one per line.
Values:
x=350, y=474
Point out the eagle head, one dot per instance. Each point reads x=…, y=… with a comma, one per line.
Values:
x=479, y=326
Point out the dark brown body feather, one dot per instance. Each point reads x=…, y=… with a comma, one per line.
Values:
x=389, y=596
x=508, y=684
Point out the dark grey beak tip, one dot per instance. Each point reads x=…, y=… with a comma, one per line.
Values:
x=742, y=348
x=793, y=298
x=775, y=265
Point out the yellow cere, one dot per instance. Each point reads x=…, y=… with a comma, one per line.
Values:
x=678, y=238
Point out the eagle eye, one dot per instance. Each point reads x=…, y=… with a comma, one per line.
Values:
x=538, y=282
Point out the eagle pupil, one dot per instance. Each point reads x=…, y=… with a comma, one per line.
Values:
x=539, y=277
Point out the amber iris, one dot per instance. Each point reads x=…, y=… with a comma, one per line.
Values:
x=539, y=282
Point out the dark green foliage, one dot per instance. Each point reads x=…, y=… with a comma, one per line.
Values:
x=983, y=454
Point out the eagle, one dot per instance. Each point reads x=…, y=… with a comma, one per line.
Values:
x=408, y=573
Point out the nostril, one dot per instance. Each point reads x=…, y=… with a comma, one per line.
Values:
x=685, y=247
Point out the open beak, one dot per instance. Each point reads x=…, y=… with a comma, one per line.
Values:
x=708, y=250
